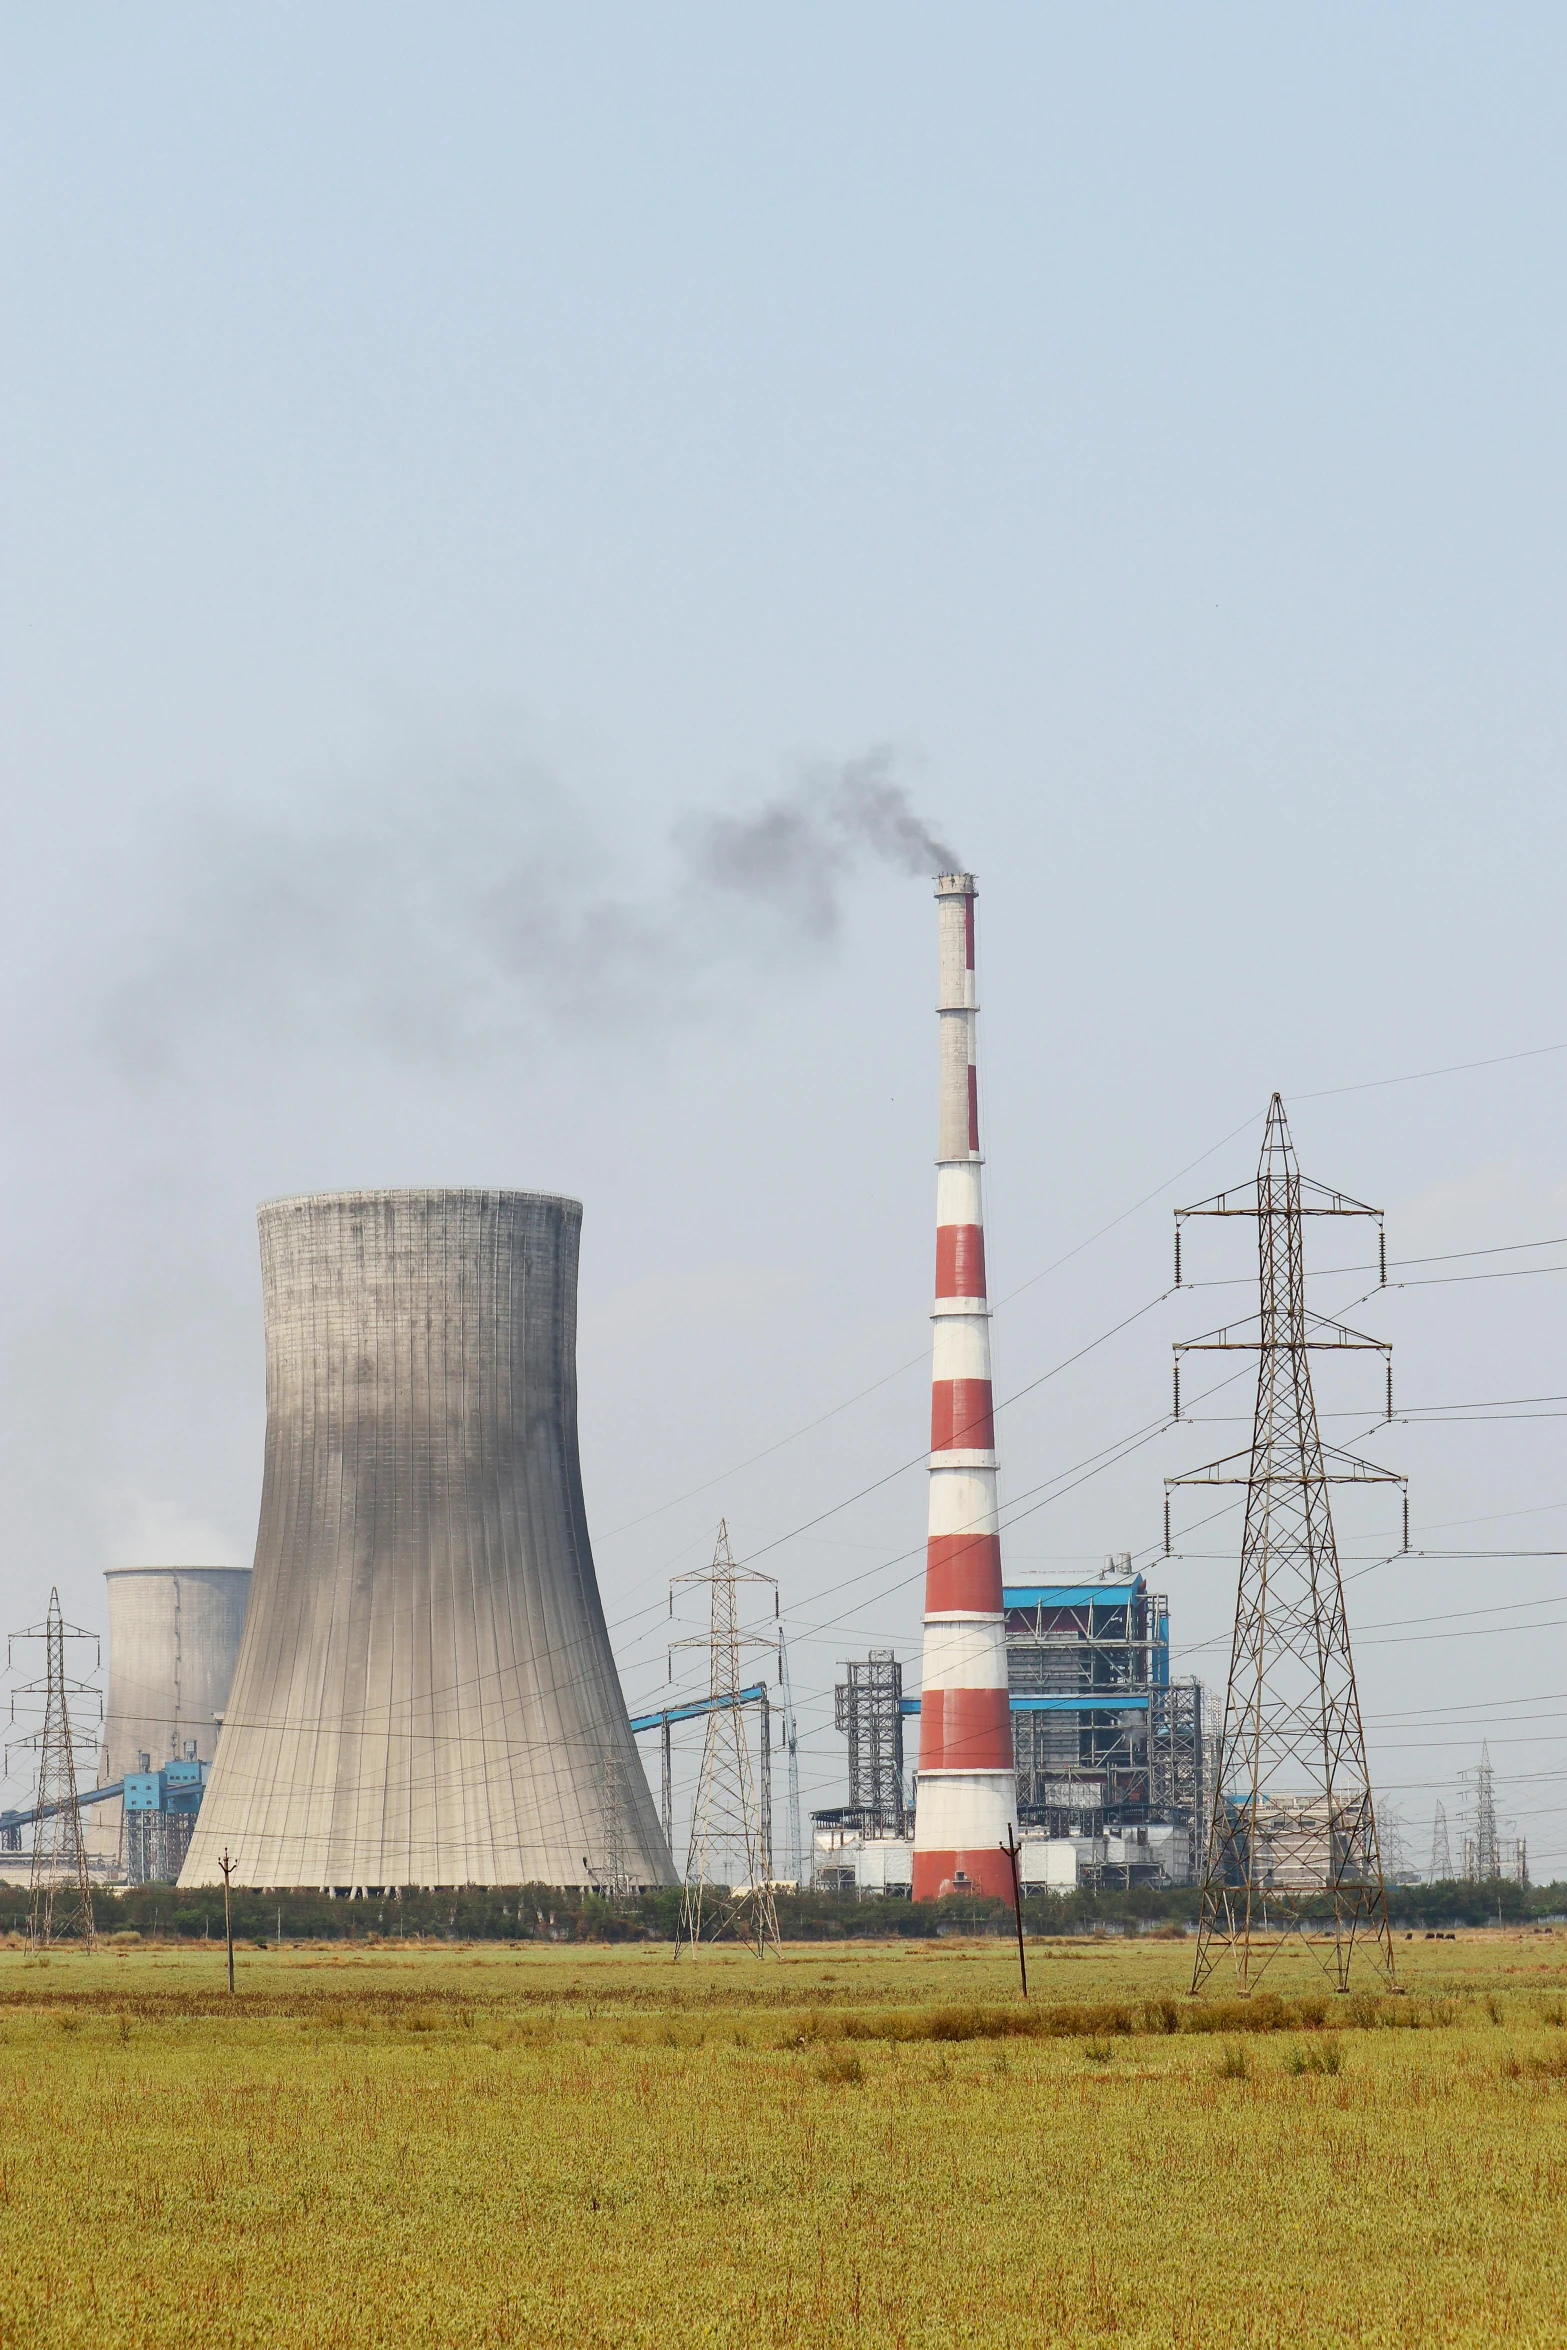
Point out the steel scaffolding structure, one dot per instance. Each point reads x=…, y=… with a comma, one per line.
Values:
x=866, y=1708
x=1178, y=1764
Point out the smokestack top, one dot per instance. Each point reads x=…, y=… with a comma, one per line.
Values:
x=956, y=885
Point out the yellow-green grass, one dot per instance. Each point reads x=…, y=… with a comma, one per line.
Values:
x=845, y=2145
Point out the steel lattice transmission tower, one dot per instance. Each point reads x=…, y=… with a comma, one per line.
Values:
x=1482, y=1850
x=1292, y=1852
x=617, y=1864
x=729, y=1824
x=1441, y=1847
x=60, y=1905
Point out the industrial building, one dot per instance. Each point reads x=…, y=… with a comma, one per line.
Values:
x=160, y=1817
x=425, y=1692
x=1083, y=1663
x=1113, y=1760
x=1106, y=1744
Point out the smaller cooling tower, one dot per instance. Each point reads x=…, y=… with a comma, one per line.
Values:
x=173, y=1638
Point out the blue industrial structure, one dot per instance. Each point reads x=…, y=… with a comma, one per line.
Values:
x=1103, y=1739
x=1085, y=1665
x=160, y=1811
x=697, y=1708
x=13, y=1822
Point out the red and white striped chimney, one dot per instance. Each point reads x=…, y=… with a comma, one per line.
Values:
x=967, y=1790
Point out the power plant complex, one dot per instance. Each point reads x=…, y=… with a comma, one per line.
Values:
x=414, y=1686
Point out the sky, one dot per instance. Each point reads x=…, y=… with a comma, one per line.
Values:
x=493, y=495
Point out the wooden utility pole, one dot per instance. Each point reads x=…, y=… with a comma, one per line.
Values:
x=1010, y=1848
x=226, y=1865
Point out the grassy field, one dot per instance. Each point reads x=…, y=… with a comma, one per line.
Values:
x=847, y=2145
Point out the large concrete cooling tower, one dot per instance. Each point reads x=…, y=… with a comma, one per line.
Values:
x=425, y=1693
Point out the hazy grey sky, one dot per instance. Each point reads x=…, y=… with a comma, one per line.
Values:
x=473, y=475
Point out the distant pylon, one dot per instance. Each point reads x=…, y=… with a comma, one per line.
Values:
x=1396, y=1869
x=1441, y=1848
x=60, y=1892
x=1483, y=1856
x=617, y=1868
x=728, y=1830
x=1292, y=1851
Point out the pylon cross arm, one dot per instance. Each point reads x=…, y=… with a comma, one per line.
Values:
x=1233, y=1469
x=1315, y=1199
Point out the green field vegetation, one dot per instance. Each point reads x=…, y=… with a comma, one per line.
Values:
x=511, y=1913
x=851, y=2144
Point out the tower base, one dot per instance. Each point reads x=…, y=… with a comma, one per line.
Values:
x=988, y=1873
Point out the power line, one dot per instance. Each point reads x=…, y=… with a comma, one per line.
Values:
x=1450, y=1256
x=1418, y=1076
x=849, y=1401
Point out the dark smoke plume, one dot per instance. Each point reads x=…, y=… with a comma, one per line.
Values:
x=439, y=920
x=796, y=850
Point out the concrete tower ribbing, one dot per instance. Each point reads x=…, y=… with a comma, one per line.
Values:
x=967, y=1790
x=425, y=1693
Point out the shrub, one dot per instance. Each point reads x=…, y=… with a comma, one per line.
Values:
x=1323, y=2056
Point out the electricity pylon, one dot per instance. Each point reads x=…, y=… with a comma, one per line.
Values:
x=1292, y=1853
x=1441, y=1847
x=726, y=1817
x=60, y=1893
x=617, y=1867
x=1483, y=1850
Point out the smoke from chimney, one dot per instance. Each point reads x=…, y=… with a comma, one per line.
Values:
x=413, y=920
